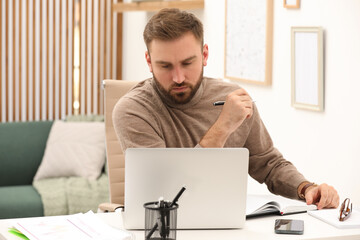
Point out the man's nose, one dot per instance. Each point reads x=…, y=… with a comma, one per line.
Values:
x=178, y=75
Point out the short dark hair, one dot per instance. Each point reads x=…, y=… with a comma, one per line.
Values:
x=170, y=24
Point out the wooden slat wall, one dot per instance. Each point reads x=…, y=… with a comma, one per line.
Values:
x=1, y=58
x=47, y=73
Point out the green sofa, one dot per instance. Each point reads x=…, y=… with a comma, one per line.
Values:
x=22, y=146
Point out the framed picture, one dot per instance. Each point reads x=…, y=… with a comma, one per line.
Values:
x=307, y=81
x=291, y=3
x=248, y=41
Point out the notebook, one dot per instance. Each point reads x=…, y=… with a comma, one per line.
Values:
x=259, y=205
x=215, y=180
x=331, y=216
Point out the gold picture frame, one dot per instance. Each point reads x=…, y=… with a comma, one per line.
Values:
x=249, y=41
x=292, y=4
x=307, y=71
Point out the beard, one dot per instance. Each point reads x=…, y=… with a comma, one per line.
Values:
x=182, y=97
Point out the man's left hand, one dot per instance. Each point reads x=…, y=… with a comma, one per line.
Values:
x=324, y=196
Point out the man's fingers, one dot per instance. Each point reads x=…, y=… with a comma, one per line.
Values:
x=248, y=104
x=336, y=200
x=312, y=196
x=249, y=112
x=239, y=95
x=309, y=199
x=241, y=102
x=240, y=92
x=323, y=197
x=238, y=107
x=333, y=198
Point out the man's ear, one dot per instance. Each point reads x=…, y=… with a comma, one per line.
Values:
x=148, y=60
x=205, y=54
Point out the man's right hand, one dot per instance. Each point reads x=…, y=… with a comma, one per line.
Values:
x=238, y=106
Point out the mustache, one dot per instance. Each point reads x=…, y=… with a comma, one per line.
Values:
x=179, y=84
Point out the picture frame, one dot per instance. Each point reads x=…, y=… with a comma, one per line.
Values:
x=249, y=41
x=292, y=4
x=307, y=71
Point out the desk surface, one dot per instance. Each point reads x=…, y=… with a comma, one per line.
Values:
x=257, y=228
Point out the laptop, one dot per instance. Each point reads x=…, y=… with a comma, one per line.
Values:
x=215, y=181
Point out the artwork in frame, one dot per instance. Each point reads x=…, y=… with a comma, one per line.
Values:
x=291, y=3
x=248, y=41
x=307, y=77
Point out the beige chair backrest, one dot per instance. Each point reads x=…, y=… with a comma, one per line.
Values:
x=113, y=91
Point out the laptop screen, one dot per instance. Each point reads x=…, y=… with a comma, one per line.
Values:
x=215, y=180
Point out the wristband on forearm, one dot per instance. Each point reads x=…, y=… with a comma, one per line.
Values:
x=302, y=188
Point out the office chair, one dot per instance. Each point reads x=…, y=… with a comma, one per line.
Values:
x=113, y=91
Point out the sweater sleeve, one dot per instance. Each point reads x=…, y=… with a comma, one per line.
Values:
x=266, y=163
x=135, y=127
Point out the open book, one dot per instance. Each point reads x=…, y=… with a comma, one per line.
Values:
x=257, y=205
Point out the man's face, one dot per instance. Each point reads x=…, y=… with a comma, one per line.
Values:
x=177, y=66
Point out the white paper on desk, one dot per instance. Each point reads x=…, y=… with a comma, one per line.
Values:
x=331, y=216
x=78, y=226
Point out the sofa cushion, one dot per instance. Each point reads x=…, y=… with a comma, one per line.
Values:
x=20, y=201
x=22, y=146
x=74, y=149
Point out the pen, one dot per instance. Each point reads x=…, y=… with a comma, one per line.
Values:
x=162, y=228
x=219, y=103
x=167, y=227
x=148, y=236
x=171, y=205
x=160, y=204
x=178, y=196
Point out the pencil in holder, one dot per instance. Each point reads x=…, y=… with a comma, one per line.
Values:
x=160, y=221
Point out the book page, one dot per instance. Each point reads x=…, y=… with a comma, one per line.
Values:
x=78, y=226
x=254, y=204
x=272, y=203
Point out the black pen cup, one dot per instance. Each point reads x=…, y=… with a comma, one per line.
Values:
x=160, y=222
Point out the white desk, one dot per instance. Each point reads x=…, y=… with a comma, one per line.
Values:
x=258, y=228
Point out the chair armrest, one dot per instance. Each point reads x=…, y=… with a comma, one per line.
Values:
x=109, y=207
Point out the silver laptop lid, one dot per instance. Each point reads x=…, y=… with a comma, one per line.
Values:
x=215, y=180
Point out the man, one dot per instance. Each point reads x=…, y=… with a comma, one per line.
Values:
x=175, y=109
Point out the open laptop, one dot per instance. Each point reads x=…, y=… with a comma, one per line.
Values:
x=215, y=180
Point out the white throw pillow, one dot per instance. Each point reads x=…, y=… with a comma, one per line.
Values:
x=73, y=149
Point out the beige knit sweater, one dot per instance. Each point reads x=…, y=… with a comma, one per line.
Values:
x=146, y=118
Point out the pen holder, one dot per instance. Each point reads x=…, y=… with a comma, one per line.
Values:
x=160, y=222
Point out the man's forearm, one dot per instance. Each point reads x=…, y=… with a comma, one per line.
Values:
x=215, y=137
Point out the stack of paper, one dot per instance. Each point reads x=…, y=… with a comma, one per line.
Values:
x=78, y=226
x=331, y=216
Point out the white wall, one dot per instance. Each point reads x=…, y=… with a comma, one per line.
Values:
x=323, y=146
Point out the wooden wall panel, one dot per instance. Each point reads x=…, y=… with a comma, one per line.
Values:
x=47, y=69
